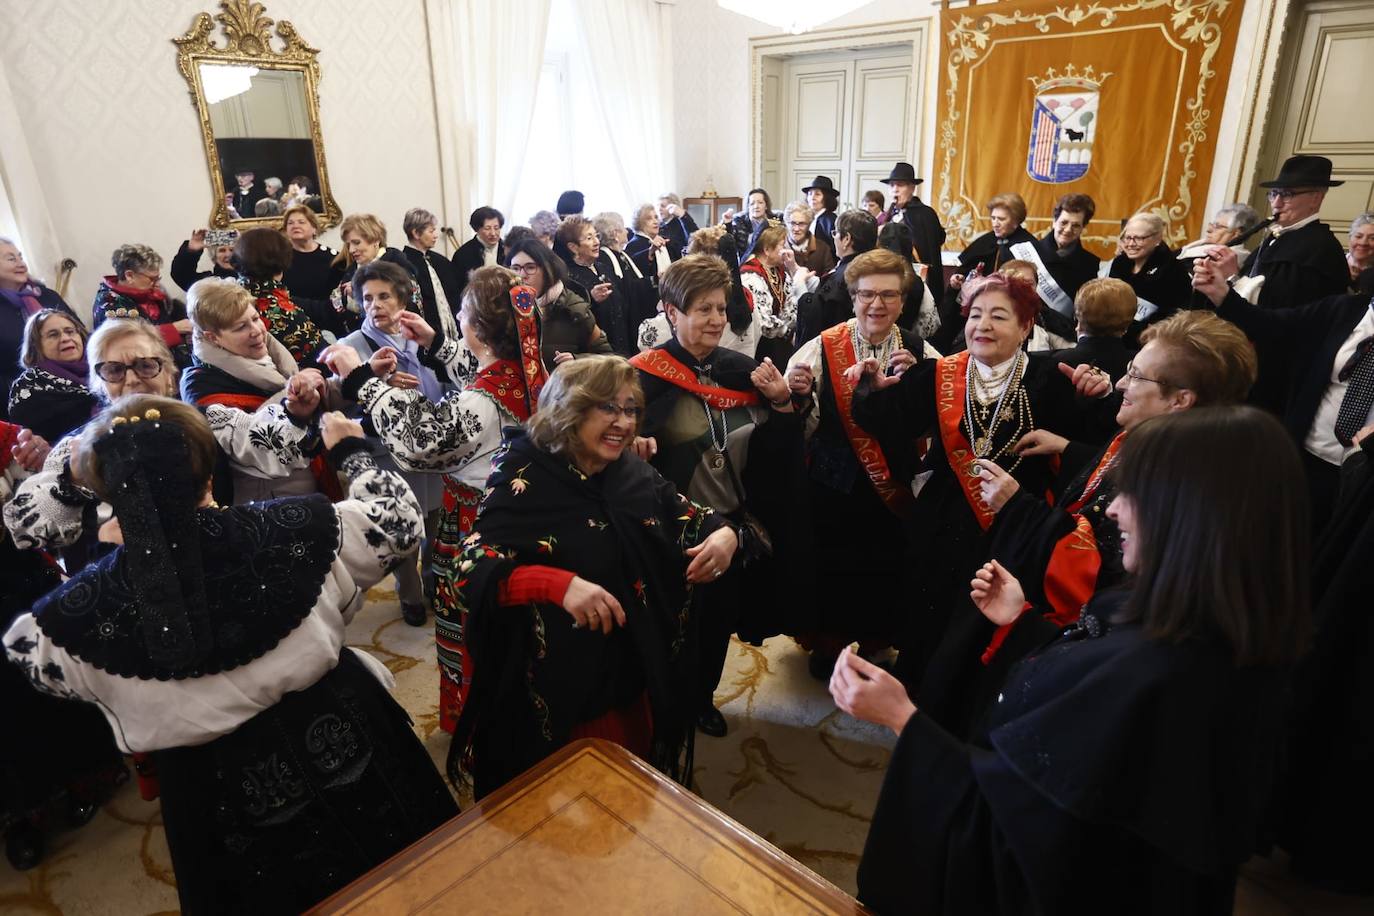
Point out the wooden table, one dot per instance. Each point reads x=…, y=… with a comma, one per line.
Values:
x=592, y=829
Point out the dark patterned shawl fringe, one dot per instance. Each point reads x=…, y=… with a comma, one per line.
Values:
x=264, y=567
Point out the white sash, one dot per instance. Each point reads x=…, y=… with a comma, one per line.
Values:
x=1050, y=291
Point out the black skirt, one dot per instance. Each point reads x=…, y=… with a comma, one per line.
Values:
x=300, y=800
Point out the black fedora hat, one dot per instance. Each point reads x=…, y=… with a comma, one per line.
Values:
x=822, y=183
x=1304, y=172
x=903, y=171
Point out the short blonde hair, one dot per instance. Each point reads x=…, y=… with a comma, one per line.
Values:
x=1155, y=221
x=1105, y=306
x=879, y=261
x=302, y=210
x=113, y=330
x=573, y=391
x=1019, y=268
x=772, y=235
x=214, y=304
x=1207, y=355
x=366, y=225
x=1012, y=203
x=706, y=240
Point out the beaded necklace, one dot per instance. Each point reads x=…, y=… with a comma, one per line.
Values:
x=985, y=415
x=881, y=352
x=773, y=277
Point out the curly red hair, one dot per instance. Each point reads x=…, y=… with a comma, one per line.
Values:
x=1025, y=301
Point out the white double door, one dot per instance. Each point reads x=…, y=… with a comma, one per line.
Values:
x=846, y=115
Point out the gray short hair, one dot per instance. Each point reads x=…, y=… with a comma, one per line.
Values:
x=1238, y=216
x=1155, y=221
x=545, y=223
x=671, y=198
x=416, y=219
x=137, y=258
x=607, y=225
x=796, y=206
x=273, y=183
x=1364, y=219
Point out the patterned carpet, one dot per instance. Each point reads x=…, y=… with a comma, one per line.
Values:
x=793, y=769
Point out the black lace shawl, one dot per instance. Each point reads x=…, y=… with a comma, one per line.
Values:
x=263, y=567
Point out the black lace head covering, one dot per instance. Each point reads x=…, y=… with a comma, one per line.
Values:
x=146, y=475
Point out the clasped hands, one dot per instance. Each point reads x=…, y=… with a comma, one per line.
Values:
x=594, y=608
x=343, y=359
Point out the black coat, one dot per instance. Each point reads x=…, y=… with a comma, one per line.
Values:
x=1071, y=270
x=990, y=252
x=1297, y=349
x=312, y=276
x=678, y=231
x=1116, y=774
x=468, y=258
x=1299, y=266
x=1107, y=353
x=49, y=405
x=12, y=339
x=246, y=202
x=827, y=306
x=928, y=236
x=1164, y=281
x=448, y=281
x=185, y=264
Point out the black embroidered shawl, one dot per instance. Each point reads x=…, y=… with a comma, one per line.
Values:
x=264, y=566
x=536, y=676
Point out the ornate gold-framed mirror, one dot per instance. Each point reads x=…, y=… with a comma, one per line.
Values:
x=259, y=116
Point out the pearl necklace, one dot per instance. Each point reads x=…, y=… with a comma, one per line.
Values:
x=1012, y=403
x=881, y=352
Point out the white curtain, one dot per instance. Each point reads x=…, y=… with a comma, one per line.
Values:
x=629, y=45
x=486, y=58
x=24, y=213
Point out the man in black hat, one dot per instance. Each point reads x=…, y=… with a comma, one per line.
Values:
x=247, y=194
x=925, y=227
x=823, y=199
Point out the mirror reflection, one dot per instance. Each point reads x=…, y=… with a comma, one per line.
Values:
x=261, y=123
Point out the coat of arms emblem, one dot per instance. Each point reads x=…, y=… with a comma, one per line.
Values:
x=1064, y=116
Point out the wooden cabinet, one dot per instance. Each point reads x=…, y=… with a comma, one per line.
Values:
x=707, y=211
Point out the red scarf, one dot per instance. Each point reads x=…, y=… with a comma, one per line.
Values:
x=151, y=301
x=838, y=346
x=660, y=364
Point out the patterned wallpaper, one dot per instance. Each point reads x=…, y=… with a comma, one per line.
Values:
x=114, y=136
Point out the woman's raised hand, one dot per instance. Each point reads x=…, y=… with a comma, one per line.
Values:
x=1090, y=381
x=997, y=593
x=335, y=427
x=900, y=361
x=711, y=558
x=855, y=374
x=646, y=447
x=414, y=327
x=770, y=382
x=996, y=485
x=800, y=379
x=31, y=450
x=1040, y=442
x=867, y=692
x=591, y=606
x=601, y=292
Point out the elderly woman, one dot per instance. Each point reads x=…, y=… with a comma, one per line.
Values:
x=773, y=281
x=581, y=249
x=857, y=506
x=648, y=249
x=1104, y=309
x=808, y=249
x=364, y=239
x=640, y=293
x=135, y=290
x=457, y=435
x=992, y=249
x=544, y=225
x=127, y=356
x=708, y=429
x=822, y=200
x=568, y=327
x=978, y=404
x=50, y=396
x=1230, y=223
x=740, y=334
x=186, y=262
x=437, y=285
x=312, y=276
x=286, y=769
x=384, y=290
x=1054, y=804
x=1162, y=285
x=1361, y=255
x=745, y=227
x=484, y=249
x=579, y=584
x=675, y=224
x=262, y=256
x=21, y=297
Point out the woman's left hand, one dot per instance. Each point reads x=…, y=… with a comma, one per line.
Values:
x=900, y=361
x=303, y=392
x=867, y=692
x=711, y=558
x=30, y=450
x=997, y=485
x=1090, y=381
x=341, y=359
x=770, y=382
x=414, y=327
x=601, y=292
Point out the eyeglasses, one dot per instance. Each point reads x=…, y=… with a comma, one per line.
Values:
x=145, y=367
x=1287, y=193
x=154, y=279
x=1130, y=374
x=1137, y=239
x=802, y=224
x=525, y=270
x=1219, y=227
x=889, y=296
x=612, y=411
x=59, y=333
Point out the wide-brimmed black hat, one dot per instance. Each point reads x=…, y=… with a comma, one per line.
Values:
x=1304, y=172
x=903, y=171
x=822, y=183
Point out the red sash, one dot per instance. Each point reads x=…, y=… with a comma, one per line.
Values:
x=325, y=475
x=951, y=383
x=1103, y=466
x=838, y=347
x=659, y=364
